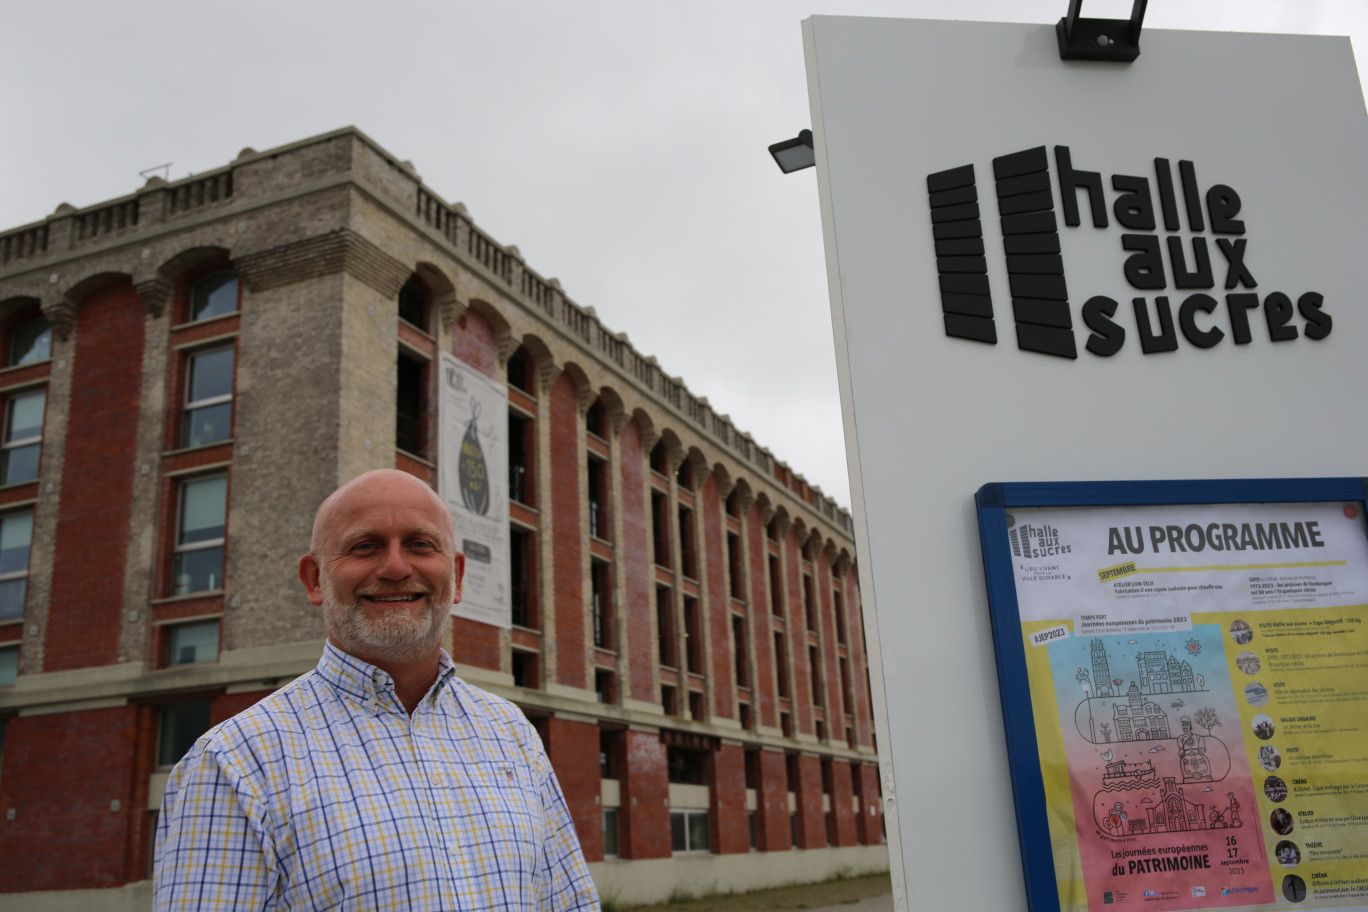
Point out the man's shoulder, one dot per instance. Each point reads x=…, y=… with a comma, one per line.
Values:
x=495, y=714
x=492, y=707
x=292, y=709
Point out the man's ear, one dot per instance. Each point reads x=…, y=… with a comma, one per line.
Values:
x=310, y=577
x=460, y=574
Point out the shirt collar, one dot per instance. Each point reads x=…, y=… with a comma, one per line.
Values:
x=364, y=683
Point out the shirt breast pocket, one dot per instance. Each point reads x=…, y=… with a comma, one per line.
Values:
x=505, y=813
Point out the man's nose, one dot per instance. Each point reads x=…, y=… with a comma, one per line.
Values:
x=395, y=566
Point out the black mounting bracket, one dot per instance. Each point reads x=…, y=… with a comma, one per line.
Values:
x=1115, y=40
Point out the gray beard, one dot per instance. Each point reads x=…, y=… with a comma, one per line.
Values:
x=395, y=638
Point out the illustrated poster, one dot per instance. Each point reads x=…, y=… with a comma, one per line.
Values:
x=1199, y=682
x=473, y=479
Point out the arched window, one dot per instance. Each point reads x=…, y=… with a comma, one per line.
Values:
x=214, y=295
x=30, y=342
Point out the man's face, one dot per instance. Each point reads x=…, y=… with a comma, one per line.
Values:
x=384, y=569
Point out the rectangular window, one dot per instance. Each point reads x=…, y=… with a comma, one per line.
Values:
x=605, y=690
x=689, y=831
x=601, y=584
x=16, y=535
x=665, y=633
x=520, y=450
x=525, y=670
x=846, y=700
x=685, y=765
x=698, y=706
x=23, y=439
x=181, y=726
x=776, y=593
x=610, y=832
x=739, y=651
x=735, y=566
x=753, y=769
x=693, y=635
x=754, y=835
x=809, y=603
x=815, y=668
x=598, y=498
x=200, y=533
x=688, y=558
x=208, y=410
x=669, y=699
x=9, y=665
x=660, y=528
x=522, y=560
x=781, y=663
x=187, y=644
x=410, y=404
x=838, y=606
x=610, y=752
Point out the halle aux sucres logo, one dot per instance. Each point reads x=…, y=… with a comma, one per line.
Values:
x=1215, y=296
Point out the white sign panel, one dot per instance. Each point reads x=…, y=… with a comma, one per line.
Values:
x=473, y=479
x=1049, y=270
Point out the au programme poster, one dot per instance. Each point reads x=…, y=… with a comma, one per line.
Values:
x=1199, y=685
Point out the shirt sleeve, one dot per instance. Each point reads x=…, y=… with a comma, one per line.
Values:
x=213, y=851
x=565, y=884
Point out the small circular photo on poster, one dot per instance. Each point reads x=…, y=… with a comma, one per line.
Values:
x=1248, y=662
x=1287, y=853
x=1281, y=821
x=1294, y=888
x=1276, y=789
x=1262, y=726
x=1241, y=633
x=1256, y=694
x=1269, y=757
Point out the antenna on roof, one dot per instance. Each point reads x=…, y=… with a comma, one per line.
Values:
x=165, y=169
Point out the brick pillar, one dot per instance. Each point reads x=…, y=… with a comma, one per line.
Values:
x=772, y=814
x=69, y=778
x=574, y=751
x=841, y=795
x=644, y=818
x=569, y=667
x=728, y=817
x=811, y=818
x=85, y=609
x=869, y=825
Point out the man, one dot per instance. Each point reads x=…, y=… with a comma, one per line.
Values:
x=380, y=780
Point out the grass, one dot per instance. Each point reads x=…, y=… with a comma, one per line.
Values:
x=841, y=891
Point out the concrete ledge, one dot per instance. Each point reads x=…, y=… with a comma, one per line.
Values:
x=657, y=880
x=135, y=897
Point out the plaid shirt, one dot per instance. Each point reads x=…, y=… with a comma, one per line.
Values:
x=327, y=794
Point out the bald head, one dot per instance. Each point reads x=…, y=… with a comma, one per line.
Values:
x=377, y=486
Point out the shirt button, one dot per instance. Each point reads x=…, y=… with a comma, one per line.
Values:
x=436, y=780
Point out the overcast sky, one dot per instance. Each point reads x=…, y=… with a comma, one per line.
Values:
x=620, y=145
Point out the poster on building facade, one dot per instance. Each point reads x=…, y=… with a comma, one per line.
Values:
x=1198, y=680
x=472, y=477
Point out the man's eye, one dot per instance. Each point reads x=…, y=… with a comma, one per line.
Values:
x=364, y=547
x=423, y=544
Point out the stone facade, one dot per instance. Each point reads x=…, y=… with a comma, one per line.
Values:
x=725, y=677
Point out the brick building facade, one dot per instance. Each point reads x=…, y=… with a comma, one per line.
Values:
x=189, y=370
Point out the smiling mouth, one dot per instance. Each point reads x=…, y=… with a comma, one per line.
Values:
x=404, y=598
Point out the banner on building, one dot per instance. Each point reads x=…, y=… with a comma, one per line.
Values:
x=472, y=477
x=1184, y=687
